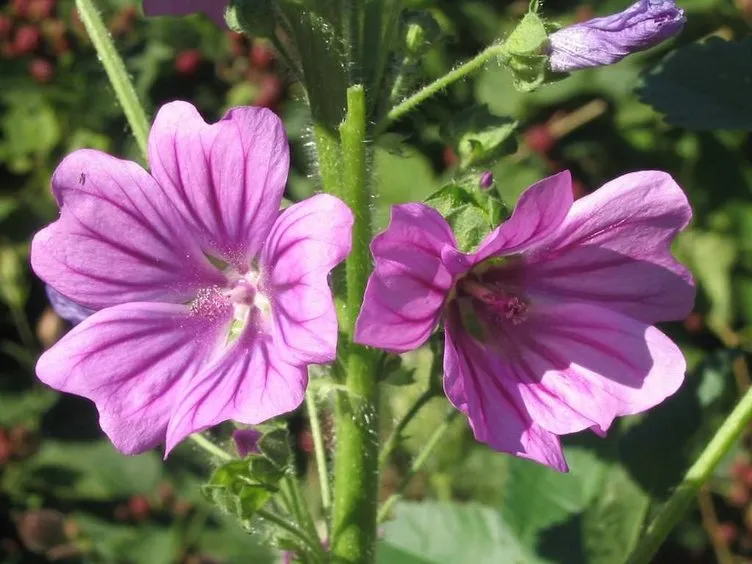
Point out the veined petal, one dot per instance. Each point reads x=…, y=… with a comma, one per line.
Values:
x=539, y=212
x=118, y=238
x=131, y=361
x=227, y=178
x=65, y=308
x=307, y=241
x=614, y=250
x=215, y=9
x=579, y=366
x=476, y=382
x=249, y=384
x=406, y=292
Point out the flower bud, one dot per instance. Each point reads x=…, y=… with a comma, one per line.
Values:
x=607, y=40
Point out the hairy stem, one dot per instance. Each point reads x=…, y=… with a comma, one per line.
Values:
x=391, y=442
x=356, y=472
x=411, y=102
x=320, y=452
x=210, y=448
x=291, y=528
x=116, y=72
x=696, y=476
x=417, y=464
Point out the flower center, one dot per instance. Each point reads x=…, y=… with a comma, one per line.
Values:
x=241, y=294
x=499, y=304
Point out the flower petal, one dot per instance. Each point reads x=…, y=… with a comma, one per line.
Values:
x=579, y=366
x=476, y=382
x=307, y=241
x=226, y=178
x=249, y=384
x=406, y=292
x=65, y=308
x=130, y=360
x=118, y=238
x=539, y=212
x=215, y=9
x=614, y=249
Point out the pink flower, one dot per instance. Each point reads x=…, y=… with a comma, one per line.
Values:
x=210, y=302
x=548, y=323
x=215, y=9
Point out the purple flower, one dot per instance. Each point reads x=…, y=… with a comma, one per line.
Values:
x=548, y=323
x=211, y=302
x=215, y=9
x=607, y=40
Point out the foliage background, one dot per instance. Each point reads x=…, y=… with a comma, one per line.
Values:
x=65, y=494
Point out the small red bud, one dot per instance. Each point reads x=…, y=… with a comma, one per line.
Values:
x=450, y=157
x=694, y=323
x=20, y=8
x=261, y=55
x=42, y=70
x=187, y=63
x=738, y=495
x=726, y=532
x=539, y=140
x=26, y=40
x=139, y=507
x=40, y=9
x=6, y=25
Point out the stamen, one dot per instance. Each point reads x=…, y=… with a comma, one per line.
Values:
x=504, y=306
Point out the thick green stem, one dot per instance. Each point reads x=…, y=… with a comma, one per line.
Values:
x=698, y=474
x=495, y=51
x=329, y=159
x=116, y=72
x=417, y=464
x=356, y=472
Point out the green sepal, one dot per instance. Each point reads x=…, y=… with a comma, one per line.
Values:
x=480, y=137
x=275, y=446
x=395, y=373
x=253, y=17
x=525, y=53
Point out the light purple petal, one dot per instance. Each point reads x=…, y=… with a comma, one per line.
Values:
x=539, y=212
x=476, y=383
x=606, y=40
x=307, y=241
x=227, y=178
x=578, y=366
x=215, y=9
x=614, y=249
x=406, y=292
x=132, y=360
x=118, y=238
x=249, y=384
x=65, y=308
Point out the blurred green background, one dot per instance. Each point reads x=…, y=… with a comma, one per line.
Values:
x=66, y=495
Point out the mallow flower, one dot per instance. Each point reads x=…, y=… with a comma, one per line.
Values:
x=548, y=323
x=215, y=9
x=607, y=40
x=209, y=302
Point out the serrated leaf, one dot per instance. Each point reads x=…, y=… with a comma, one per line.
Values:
x=612, y=523
x=704, y=86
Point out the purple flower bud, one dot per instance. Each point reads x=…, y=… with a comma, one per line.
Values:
x=607, y=40
x=246, y=441
x=486, y=180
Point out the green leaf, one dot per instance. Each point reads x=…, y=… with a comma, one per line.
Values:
x=94, y=471
x=275, y=446
x=612, y=523
x=481, y=137
x=450, y=533
x=25, y=408
x=31, y=130
x=396, y=373
x=704, y=86
x=538, y=497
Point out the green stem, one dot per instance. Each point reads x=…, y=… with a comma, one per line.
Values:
x=411, y=102
x=116, y=72
x=23, y=327
x=300, y=508
x=356, y=471
x=394, y=437
x=698, y=474
x=290, y=527
x=329, y=159
x=211, y=448
x=320, y=452
x=417, y=464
